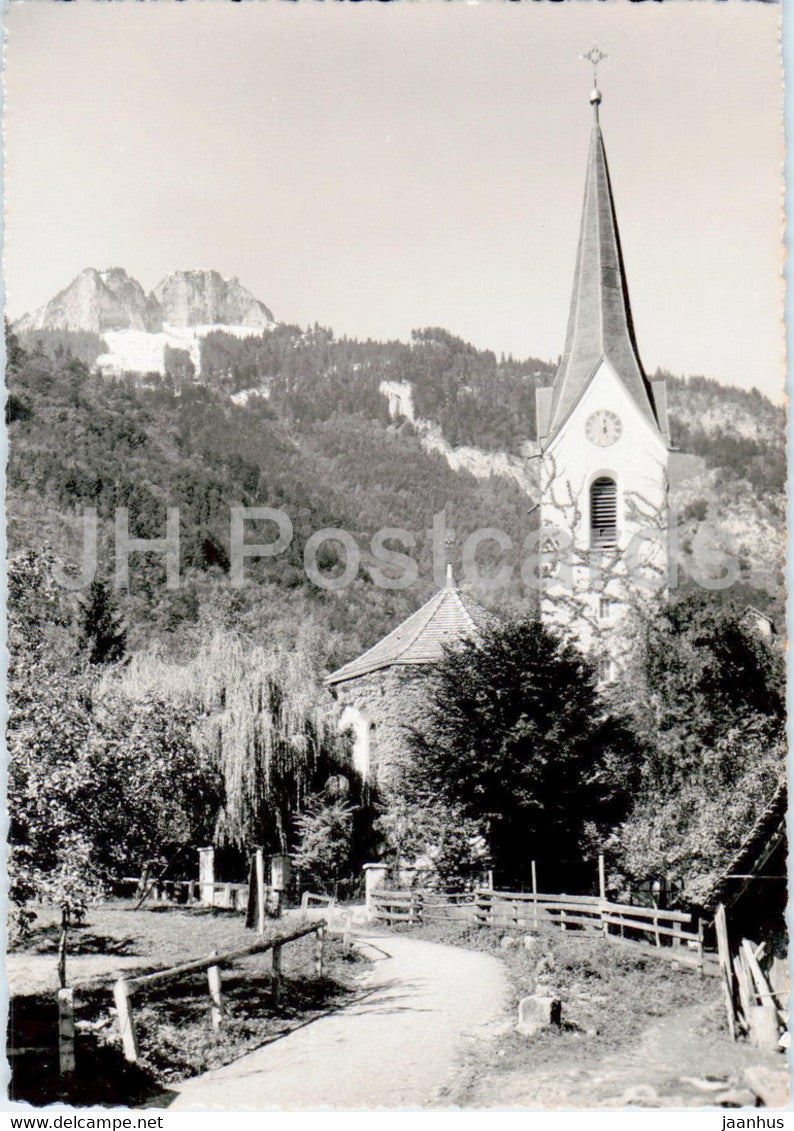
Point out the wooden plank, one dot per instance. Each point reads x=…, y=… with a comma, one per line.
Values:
x=216, y=1001
x=259, y=877
x=319, y=953
x=602, y=894
x=542, y=897
x=200, y=964
x=761, y=986
x=642, y=925
x=66, y=1031
x=549, y=905
x=650, y=912
x=129, y=1038
x=534, y=896
x=764, y=1030
x=726, y=978
x=277, y=975
x=744, y=984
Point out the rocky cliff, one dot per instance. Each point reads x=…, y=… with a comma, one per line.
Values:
x=205, y=298
x=98, y=301
x=108, y=301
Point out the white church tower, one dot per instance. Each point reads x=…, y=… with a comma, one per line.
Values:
x=603, y=441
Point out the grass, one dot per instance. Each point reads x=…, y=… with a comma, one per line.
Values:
x=173, y=1021
x=161, y=933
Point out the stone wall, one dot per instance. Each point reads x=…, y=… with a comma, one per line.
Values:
x=379, y=708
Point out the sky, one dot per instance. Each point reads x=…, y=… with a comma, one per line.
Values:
x=382, y=167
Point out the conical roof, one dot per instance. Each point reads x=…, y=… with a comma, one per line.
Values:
x=600, y=324
x=448, y=617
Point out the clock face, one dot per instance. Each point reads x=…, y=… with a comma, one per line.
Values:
x=603, y=427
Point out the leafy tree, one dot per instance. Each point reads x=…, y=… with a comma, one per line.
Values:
x=262, y=722
x=159, y=796
x=51, y=788
x=323, y=854
x=102, y=636
x=520, y=742
x=702, y=674
x=708, y=700
x=440, y=841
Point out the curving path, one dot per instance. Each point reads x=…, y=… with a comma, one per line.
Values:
x=394, y=1047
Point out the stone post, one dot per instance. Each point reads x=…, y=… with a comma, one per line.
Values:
x=207, y=875
x=280, y=872
x=374, y=880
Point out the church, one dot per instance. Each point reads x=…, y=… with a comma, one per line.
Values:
x=603, y=442
x=602, y=447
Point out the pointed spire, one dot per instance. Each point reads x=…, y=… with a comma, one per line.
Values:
x=600, y=323
x=450, y=583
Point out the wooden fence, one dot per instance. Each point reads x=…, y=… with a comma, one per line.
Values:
x=756, y=1003
x=667, y=931
x=125, y=988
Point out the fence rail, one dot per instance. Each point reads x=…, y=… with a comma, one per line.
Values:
x=124, y=988
x=667, y=931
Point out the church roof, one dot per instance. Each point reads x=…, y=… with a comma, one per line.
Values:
x=448, y=617
x=600, y=324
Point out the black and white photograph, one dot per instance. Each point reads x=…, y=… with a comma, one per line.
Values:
x=395, y=516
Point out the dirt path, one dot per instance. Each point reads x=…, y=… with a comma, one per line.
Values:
x=396, y=1046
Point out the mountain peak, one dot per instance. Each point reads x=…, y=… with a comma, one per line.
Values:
x=111, y=299
x=196, y=297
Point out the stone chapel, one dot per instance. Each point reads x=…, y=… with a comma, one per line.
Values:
x=383, y=691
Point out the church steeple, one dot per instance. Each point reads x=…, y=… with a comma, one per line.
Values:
x=600, y=324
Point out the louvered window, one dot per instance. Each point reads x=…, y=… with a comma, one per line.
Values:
x=603, y=514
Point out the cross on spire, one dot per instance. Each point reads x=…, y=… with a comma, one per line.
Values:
x=594, y=56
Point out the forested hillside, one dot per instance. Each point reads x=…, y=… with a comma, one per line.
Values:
x=317, y=443
x=80, y=441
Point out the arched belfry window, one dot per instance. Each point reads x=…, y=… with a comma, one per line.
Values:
x=603, y=514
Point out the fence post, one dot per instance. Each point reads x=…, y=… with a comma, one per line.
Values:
x=374, y=880
x=129, y=1040
x=277, y=979
x=65, y=1031
x=602, y=893
x=348, y=929
x=319, y=953
x=563, y=917
x=260, y=891
x=214, y=983
x=207, y=875
x=534, y=896
x=701, y=961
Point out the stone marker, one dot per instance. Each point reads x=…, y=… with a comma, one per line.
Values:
x=538, y=1013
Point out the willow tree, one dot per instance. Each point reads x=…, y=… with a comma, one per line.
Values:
x=263, y=719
